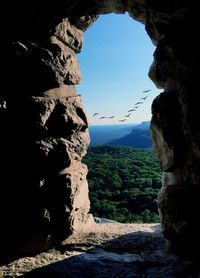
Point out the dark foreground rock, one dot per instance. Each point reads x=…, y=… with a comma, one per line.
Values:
x=109, y=250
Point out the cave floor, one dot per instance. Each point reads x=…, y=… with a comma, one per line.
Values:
x=107, y=250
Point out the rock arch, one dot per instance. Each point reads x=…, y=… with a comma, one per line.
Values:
x=44, y=127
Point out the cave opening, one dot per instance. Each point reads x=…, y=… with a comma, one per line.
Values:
x=124, y=175
x=50, y=201
x=115, y=60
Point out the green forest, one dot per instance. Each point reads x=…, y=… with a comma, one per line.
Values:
x=123, y=183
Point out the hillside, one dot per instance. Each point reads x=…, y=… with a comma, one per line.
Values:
x=124, y=135
x=123, y=183
x=138, y=138
x=102, y=134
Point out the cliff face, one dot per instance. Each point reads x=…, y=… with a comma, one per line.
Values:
x=44, y=129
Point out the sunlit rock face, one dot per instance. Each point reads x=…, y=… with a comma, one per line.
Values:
x=44, y=129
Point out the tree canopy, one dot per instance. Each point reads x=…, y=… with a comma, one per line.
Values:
x=123, y=183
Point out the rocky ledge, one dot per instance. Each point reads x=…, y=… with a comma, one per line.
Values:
x=107, y=250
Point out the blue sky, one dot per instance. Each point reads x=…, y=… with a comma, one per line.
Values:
x=114, y=61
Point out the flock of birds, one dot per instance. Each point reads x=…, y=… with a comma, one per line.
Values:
x=137, y=104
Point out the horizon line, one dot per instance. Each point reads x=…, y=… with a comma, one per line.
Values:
x=135, y=123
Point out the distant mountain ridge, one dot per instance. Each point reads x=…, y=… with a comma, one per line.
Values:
x=137, y=136
x=101, y=134
x=143, y=125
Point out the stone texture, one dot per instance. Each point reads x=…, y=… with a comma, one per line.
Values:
x=44, y=126
x=58, y=63
x=83, y=22
x=167, y=132
x=55, y=201
x=180, y=222
x=175, y=121
x=137, y=10
x=107, y=250
x=69, y=35
x=162, y=68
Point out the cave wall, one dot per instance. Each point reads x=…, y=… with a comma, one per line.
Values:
x=44, y=128
x=44, y=135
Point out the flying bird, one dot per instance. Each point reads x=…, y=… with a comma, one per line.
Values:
x=138, y=102
x=146, y=91
x=143, y=98
x=122, y=120
x=111, y=117
x=127, y=115
x=95, y=114
x=131, y=110
x=102, y=118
